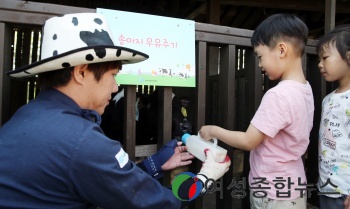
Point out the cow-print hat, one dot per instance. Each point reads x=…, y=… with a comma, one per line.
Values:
x=75, y=39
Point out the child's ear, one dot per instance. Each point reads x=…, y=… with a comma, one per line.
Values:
x=348, y=57
x=283, y=49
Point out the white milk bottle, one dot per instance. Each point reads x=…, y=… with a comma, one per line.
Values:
x=196, y=146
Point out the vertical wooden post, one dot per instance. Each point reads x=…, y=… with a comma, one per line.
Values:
x=164, y=115
x=129, y=132
x=213, y=17
x=330, y=12
x=319, y=89
x=254, y=93
x=164, y=122
x=5, y=65
x=254, y=84
x=199, y=120
x=227, y=85
x=213, y=12
x=201, y=77
x=330, y=6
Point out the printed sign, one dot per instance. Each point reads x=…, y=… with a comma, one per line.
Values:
x=169, y=42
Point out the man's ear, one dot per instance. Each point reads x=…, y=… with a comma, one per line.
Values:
x=79, y=73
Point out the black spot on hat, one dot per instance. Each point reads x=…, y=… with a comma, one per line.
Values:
x=119, y=52
x=54, y=37
x=98, y=21
x=75, y=21
x=54, y=53
x=100, y=53
x=96, y=38
x=65, y=64
x=89, y=57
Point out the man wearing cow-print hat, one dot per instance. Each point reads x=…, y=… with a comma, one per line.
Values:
x=53, y=153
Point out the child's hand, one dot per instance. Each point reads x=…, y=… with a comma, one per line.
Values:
x=347, y=202
x=206, y=132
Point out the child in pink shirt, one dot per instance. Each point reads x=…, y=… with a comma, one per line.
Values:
x=279, y=132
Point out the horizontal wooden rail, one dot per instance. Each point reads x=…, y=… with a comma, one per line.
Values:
x=33, y=13
x=224, y=30
x=145, y=150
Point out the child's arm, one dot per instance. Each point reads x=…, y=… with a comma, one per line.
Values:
x=242, y=140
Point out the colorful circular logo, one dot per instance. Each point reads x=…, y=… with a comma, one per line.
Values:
x=185, y=189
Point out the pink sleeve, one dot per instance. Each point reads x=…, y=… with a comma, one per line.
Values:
x=273, y=115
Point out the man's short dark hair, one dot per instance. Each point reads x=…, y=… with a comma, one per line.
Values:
x=285, y=27
x=61, y=77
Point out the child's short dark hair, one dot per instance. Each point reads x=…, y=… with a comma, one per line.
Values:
x=339, y=38
x=284, y=27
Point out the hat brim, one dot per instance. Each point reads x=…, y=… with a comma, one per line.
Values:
x=85, y=55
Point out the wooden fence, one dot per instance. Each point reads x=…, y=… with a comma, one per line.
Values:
x=229, y=83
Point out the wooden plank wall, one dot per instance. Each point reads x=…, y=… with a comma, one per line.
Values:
x=228, y=90
x=5, y=63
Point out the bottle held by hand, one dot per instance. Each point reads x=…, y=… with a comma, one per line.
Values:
x=196, y=146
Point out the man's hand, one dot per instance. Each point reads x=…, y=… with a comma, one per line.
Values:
x=168, y=157
x=180, y=158
x=212, y=169
x=347, y=202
